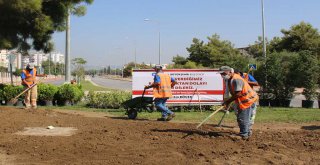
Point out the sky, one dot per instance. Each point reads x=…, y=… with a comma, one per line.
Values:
x=112, y=30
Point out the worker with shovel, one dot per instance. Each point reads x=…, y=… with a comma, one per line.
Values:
x=162, y=92
x=28, y=77
x=243, y=96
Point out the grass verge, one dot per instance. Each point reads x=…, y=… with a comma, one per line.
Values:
x=88, y=86
x=264, y=115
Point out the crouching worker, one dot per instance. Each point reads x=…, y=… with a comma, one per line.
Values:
x=162, y=92
x=243, y=96
x=28, y=77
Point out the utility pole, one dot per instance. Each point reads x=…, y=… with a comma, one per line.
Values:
x=11, y=58
x=67, y=58
x=159, y=49
x=49, y=64
x=264, y=44
x=135, y=58
x=263, y=32
x=11, y=74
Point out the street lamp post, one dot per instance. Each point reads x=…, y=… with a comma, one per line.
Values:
x=263, y=31
x=67, y=58
x=49, y=64
x=159, y=38
x=264, y=43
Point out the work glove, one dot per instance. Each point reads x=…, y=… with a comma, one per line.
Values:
x=146, y=87
x=226, y=104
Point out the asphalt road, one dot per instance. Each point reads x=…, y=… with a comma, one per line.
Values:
x=114, y=84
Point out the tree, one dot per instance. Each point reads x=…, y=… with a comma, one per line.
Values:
x=109, y=70
x=306, y=69
x=214, y=54
x=280, y=75
x=198, y=52
x=30, y=24
x=256, y=50
x=78, y=65
x=179, y=60
x=46, y=65
x=127, y=71
x=300, y=37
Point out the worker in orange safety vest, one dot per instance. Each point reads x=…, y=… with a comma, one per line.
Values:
x=162, y=92
x=243, y=96
x=28, y=80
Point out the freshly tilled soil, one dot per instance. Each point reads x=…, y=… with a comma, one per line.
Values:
x=114, y=140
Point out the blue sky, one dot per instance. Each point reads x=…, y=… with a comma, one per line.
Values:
x=112, y=29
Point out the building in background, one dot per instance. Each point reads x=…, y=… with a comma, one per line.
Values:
x=4, y=58
x=36, y=57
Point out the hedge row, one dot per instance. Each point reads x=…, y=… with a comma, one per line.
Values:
x=112, y=99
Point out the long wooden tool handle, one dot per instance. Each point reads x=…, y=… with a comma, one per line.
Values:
x=221, y=108
x=24, y=91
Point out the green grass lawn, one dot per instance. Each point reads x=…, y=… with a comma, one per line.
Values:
x=88, y=86
x=264, y=115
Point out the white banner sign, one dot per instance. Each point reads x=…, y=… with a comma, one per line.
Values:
x=194, y=85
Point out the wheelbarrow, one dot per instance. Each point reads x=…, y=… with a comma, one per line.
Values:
x=138, y=104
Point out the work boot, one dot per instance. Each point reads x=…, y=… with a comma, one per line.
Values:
x=171, y=116
x=162, y=119
x=245, y=137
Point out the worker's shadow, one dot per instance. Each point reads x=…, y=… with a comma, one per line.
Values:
x=126, y=118
x=311, y=127
x=196, y=132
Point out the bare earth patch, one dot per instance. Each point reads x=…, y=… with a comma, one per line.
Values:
x=42, y=131
x=112, y=140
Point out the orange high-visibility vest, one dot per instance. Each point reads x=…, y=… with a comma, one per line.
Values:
x=249, y=96
x=163, y=90
x=246, y=76
x=30, y=79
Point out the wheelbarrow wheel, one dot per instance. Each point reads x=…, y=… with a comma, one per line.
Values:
x=132, y=113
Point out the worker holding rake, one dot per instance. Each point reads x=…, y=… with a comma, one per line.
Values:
x=28, y=77
x=243, y=96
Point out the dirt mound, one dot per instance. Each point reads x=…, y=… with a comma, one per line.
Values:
x=104, y=140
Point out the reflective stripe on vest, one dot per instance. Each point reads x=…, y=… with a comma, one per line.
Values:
x=30, y=78
x=163, y=90
x=248, y=95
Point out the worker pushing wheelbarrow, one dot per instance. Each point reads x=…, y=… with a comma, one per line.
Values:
x=138, y=104
x=161, y=85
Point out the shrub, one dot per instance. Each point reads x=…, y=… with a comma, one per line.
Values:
x=1, y=91
x=69, y=92
x=46, y=92
x=10, y=91
x=112, y=99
